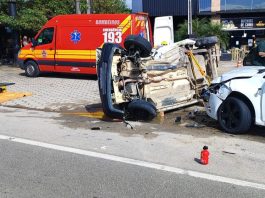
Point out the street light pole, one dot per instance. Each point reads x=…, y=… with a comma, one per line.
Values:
x=189, y=18
x=12, y=11
x=12, y=8
x=89, y=7
x=77, y=7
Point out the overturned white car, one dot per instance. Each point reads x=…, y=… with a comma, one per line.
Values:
x=237, y=99
x=136, y=83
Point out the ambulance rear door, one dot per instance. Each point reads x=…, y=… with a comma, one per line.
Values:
x=163, y=31
x=44, y=51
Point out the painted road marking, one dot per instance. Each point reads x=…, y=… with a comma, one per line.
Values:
x=136, y=162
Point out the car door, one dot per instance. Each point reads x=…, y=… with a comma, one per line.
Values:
x=44, y=51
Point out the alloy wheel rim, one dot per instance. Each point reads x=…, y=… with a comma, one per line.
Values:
x=230, y=115
x=30, y=69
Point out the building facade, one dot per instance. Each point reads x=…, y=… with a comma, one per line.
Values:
x=244, y=20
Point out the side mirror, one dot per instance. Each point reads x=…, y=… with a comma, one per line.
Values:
x=34, y=42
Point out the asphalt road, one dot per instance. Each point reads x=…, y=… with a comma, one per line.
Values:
x=30, y=171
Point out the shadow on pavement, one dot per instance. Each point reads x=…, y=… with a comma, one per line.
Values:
x=66, y=75
x=197, y=160
x=202, y=119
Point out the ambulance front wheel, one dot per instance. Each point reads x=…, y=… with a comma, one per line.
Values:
x=32, y=69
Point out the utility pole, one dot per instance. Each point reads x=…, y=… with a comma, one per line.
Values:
x=89, y=7
x=189, y=18
x=77, y=7
x=12, y=11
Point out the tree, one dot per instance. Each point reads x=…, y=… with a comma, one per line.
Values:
x=33, y=14
x=203, y=27
x=110, y=6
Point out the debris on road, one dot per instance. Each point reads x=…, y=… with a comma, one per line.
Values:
x=95, y=128
x=191, y=115
x=178, y=119
x=194, y=125
x=227, y=152
x=128, y=125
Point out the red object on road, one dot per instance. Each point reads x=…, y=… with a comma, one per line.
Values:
x=205, y=155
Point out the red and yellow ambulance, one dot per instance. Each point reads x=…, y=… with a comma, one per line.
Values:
x=68, y=43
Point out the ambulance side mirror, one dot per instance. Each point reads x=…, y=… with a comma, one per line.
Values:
x=34, y=42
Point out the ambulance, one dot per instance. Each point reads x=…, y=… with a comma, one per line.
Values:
x=68, y=43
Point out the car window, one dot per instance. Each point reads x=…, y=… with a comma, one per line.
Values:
x=46, y=36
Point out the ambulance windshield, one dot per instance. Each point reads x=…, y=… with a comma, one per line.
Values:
x=46, y=36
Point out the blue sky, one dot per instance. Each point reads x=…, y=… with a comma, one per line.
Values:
x=129, y=3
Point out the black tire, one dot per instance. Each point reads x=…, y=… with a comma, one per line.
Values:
x=206, y=41
x=141, y=110
x=104, y=69
x=138, y=43
x=234, y=116
x=32, y=69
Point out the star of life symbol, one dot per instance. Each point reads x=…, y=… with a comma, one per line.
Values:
x=75, y=36
x=44, y=54
x=141, y=34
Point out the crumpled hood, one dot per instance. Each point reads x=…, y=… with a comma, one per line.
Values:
x=240, y=72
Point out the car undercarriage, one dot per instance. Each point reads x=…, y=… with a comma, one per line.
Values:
x=136, y=82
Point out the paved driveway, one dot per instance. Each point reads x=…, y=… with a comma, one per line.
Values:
x=51, y=92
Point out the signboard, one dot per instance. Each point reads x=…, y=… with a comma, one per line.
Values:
x=246, y=23
x=242, y=23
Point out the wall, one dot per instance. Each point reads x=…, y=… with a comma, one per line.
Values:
x=137, y=6
x=168, y=7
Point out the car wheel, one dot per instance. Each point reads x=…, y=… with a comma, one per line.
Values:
x=138, y=43
x=141, y=110
x=104, y=71
x=234, y=116
x=32, y=69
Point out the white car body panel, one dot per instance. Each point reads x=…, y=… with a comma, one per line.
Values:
x=263, y=103
x=247, y=81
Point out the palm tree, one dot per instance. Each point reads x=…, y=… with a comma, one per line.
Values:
x=203, y=27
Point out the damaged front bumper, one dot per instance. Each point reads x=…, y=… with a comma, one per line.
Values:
x=213, y=97
x=212, y=105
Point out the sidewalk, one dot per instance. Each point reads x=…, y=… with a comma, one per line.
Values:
x=51, y=92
